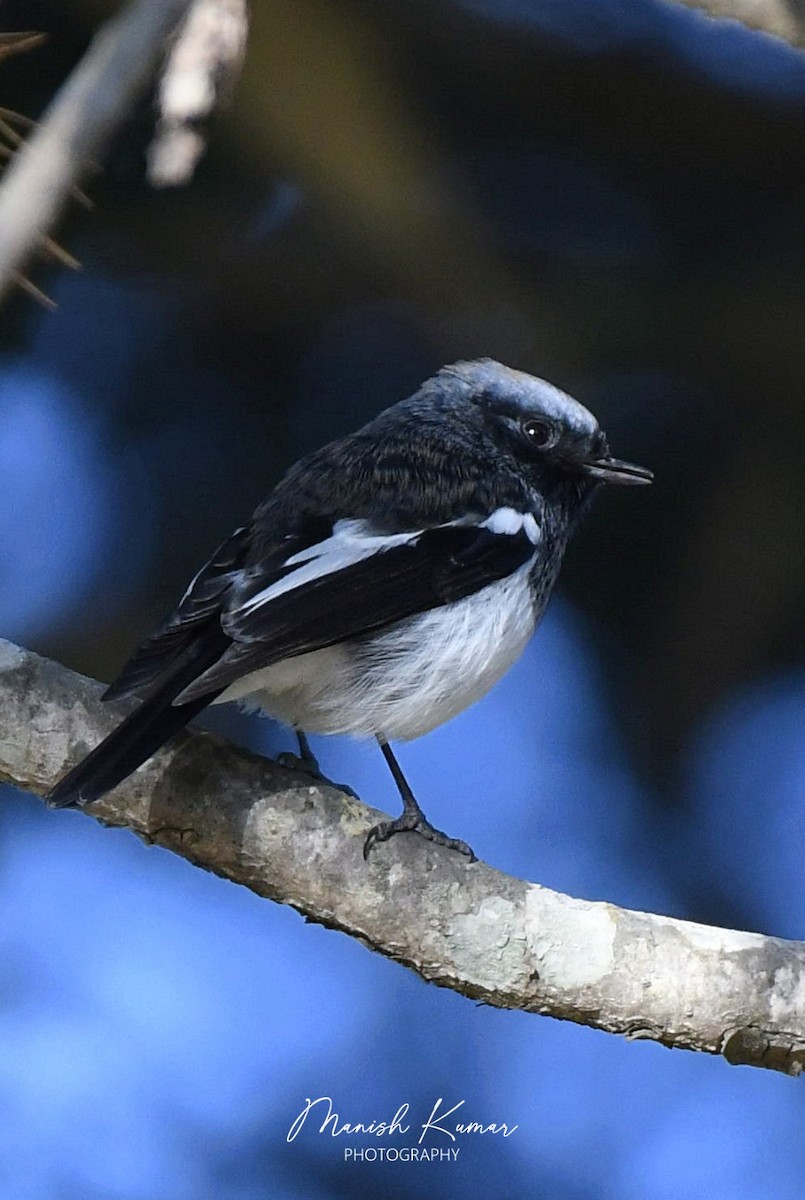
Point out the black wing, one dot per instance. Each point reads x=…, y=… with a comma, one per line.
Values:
x=238, y=616
x=168, y=647
x=308, y=610
x=162, y=650
x=188, y=642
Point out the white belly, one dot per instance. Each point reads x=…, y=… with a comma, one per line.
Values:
x=405, y=681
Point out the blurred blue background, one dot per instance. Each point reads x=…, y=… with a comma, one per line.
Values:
x=606, y=194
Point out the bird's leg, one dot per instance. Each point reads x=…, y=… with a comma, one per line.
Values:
x=306, y=754
x=412, y=819
x=306, y=762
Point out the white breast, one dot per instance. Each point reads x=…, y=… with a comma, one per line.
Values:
x=407, y=680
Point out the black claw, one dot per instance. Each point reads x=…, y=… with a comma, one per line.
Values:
x=413, y=822
x=304, y=766
x=411, y=819
x=293, y=762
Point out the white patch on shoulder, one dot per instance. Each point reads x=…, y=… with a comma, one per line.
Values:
x=532, y=529
x=509, y=521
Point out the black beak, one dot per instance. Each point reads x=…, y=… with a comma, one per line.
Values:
x=612, y=470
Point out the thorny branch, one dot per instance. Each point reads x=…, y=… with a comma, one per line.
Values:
x=87, y=111
x=100, y=93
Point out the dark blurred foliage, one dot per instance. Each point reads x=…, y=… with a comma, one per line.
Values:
x=606, y=194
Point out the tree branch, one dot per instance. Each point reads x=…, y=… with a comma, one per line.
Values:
x=780, y=18
x=90, y=107
x=494, y=938
x=19, y=42
x=99, y=94
x=202, y=67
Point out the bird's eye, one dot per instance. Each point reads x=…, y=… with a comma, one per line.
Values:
x=539, y=433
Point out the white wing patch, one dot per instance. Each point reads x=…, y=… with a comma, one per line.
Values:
x=350, y=541
x=353, y=540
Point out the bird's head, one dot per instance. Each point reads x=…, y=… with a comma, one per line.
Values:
x=552, y=438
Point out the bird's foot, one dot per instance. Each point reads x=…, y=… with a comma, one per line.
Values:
x=295, y=762
x=413, y=820
x=306, y=763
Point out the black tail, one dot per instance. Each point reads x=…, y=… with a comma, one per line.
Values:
x=142, y=733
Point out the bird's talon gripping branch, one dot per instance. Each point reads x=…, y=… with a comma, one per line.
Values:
x=306, y=763
x=415, y=823
x=293, y=762
x=412, y=819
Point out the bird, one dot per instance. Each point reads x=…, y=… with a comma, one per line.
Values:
x=388, y=581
